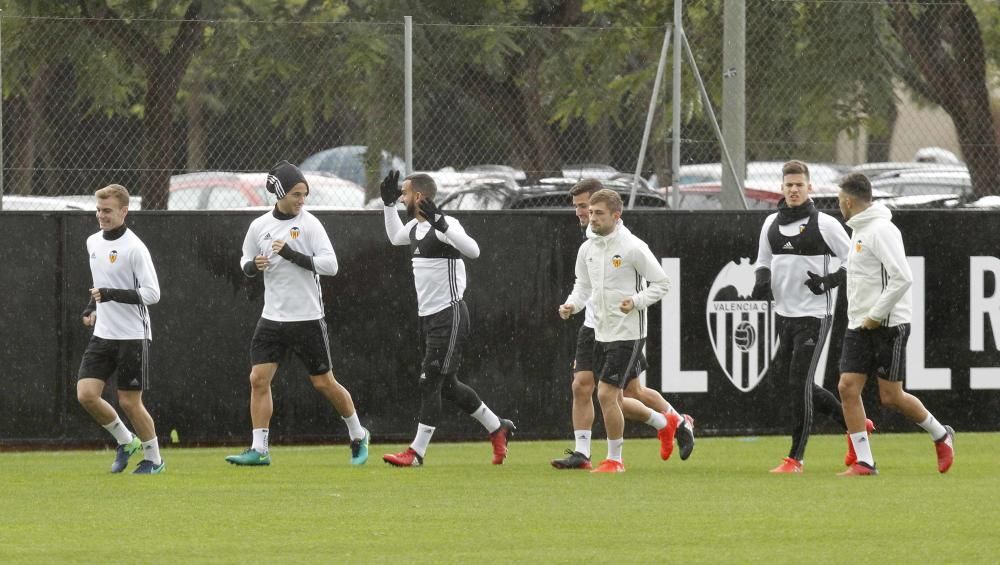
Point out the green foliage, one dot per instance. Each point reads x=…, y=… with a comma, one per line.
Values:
x=310, y=505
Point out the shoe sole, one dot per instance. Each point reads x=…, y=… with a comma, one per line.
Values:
x=242, y=464
x=688, y=448
x=563, y=466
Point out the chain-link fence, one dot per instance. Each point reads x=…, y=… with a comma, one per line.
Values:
x=188, y=110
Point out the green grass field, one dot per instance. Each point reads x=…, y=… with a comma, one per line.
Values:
x=311, y=506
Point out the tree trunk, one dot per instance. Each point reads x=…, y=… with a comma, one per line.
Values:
x=195, y=130
x=945, y=43
x=31, y=127
x=158, y=141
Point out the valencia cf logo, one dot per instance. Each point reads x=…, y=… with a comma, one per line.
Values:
x=857, y=247
x=802, y=229
x=741, y=328
x=113, y=256
x=616, y=261
x=295, y=232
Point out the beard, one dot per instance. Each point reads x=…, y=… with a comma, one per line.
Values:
x=411, y=209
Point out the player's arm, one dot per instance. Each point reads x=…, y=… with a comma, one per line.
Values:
x=323, y=261
x=762, y=267
x=89, y=314
x=888, y=247
x=582, y=289
x=148, y=290
x=836, y=239
x=251, y=262
x=390, y=193
x=651, y=270
x=457, y=237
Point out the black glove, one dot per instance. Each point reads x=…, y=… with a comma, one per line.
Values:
x=390, y=188
x=123, y=295
x=819, y=285
x=433, y=214
x=762, y=288
x=297, y=258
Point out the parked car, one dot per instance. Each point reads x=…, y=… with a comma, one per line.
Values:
x=952, y=182
x=215, y=190
x=549, y=193
x=706, y=196
x=348, y=162
x=759, y=173
x=875, y=170
x=44, y=203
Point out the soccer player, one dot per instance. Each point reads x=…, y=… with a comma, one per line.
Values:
x=794, y=256
x=878, y=326
x=639, y=404
x=125, y=284
x=437, y=244
x=292, y=248
x=612, y=268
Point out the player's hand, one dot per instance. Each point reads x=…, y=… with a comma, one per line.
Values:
x=870, y=324
x=565, y=311
x=762, y=285
x=390, y=188
x=95, y=293
x=433, y=214
x=815, y=283
x=90, y=319
x=277, y=245
x=627, y=305
x=261, y=262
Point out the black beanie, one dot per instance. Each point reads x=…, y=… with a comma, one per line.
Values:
x=283, y=177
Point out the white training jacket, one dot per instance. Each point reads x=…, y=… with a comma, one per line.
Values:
x=609, y=269
x=878, y=275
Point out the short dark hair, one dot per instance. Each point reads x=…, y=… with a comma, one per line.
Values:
x=795, y=168
x=586, y=186
x=858, y=186
x=610, y=198
x=424, y=184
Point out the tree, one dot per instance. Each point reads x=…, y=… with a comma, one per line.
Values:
x=163, y=69
x=946, y=63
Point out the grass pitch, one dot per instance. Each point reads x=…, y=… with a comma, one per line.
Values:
x=720, y=506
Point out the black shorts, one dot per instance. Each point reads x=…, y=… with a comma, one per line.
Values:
x=272, y=341
x=127, y=358
x=618, y=362
x=444, y=334
x=880, y=352
x=584, y=358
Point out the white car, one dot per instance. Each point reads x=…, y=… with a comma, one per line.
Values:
x=45, y=203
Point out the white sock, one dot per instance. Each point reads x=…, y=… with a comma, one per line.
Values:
x=862, y=447
x=487, y=418
x=151, y=451
x=582, y=441
x=119, y=431
x=615, y=449
x=423, y=439
x=354, y=428
x=933, y=427
x=657, y=420
x=671, y=410
x=260, y=440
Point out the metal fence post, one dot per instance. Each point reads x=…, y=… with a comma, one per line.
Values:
x=675, y=123
x=408, y=93
x=649, y=116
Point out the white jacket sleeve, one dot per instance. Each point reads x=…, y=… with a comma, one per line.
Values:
x=835, y=236
x=145, y=274
x=888, y=247
x=394, y=227
x=582, y=288
x=459, y=239
x=649, y=268
x=250, y=250
x=764, y=246
x=324, y=258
